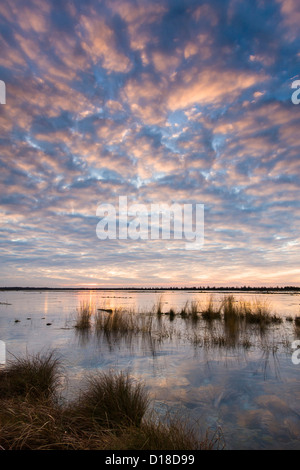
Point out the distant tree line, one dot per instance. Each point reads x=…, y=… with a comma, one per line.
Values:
x=195, y=288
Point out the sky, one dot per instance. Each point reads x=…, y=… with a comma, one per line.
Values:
x=165, y=101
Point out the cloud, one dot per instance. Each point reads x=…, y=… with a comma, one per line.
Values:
x=211, y=86
x=160, y=101
x=99, y=41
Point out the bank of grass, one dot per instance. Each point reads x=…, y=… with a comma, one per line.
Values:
x=112, y=413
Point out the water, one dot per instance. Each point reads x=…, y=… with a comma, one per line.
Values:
x=249, y=393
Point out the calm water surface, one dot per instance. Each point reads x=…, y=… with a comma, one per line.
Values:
x=251, y=394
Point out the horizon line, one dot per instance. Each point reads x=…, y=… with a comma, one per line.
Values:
x=286, y=287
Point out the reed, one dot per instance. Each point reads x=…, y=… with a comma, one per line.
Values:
x=259, y=313
x=84, y=316
x=193, y=311
x=184, y=310
x=117, y=321
x=122, y=321
x=211, y=312
x=158, y=307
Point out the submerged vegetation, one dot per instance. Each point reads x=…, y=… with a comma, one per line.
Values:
x=112, y=412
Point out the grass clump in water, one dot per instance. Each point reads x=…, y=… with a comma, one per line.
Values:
x=259, y=313
x=158, y=307
x=123, y=322
x=297, y=327
x=297, y=321
x=211, y=312
x=184, y=310
x=117, y=321
x=171, y=313
x=84, y=316
x=231, y=309
x=190, y=311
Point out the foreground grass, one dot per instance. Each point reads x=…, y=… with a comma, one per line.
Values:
x=111, y=413
x=113, y=400
x=36, y=378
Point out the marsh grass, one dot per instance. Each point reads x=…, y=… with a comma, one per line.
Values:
x=190, y=311
x=42, y=426
x=32, y=377
x=255, y=312
x=27, y=424
x=84, y=316
x=193, y=310
x=117, y=321
x=184, y=310
x=237, y=320
x=259, y=313
x=231, y=308
x=123, y=322
x=171, y=314
x=297, y=327
x=211, y=312
x=111, y=413
x=177, y=435
x=113, y=400
x=159, y=306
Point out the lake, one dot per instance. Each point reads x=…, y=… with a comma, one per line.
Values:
x=248, y=389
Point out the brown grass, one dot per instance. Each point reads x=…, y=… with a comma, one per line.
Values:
x=109, y=414
x=113, y=400
x=33, y=377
